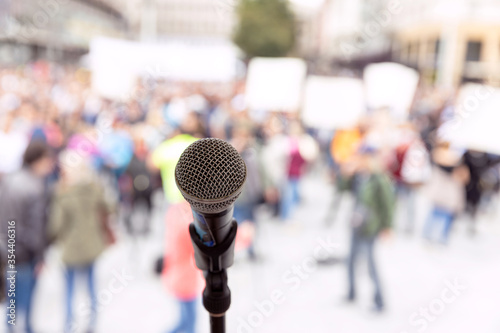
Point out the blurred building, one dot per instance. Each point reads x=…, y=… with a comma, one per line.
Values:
x=310, y=23
x=450, y=41
x=357, y=32
x=159, y=19
x=54, y=29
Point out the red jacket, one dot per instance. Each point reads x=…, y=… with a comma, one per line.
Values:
x=180, y=275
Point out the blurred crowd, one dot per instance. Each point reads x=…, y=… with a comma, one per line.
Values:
x=76, y=166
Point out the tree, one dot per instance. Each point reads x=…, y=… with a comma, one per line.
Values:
x=266, y=28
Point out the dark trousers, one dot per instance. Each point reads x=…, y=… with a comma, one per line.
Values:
x=359, y=243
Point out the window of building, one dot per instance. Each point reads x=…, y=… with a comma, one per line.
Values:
x=473, y=51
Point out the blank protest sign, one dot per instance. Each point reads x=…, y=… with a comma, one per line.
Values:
x=275, y=84
x=333, y=102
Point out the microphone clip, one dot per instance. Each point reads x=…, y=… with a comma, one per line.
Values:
x=214, y=260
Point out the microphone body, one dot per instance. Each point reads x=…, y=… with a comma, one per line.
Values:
x=210, y=175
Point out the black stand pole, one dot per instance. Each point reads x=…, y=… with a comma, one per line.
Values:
x=218, y=323
x=214, y=260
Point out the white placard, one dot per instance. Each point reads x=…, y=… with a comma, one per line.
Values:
x=116, y=64
x=275, y=84
x=113, y=68
x=475, y=123
x=331, y=103
x=391, y=85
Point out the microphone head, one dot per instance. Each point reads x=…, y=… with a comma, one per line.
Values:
x=210, y=175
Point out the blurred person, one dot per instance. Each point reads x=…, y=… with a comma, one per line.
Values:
x=46, y=126
x=91, y=108
x=274, y=160
x=219, y=121
x=410, y=168
x=83, y=144
x=116, y=148
x=301, y=150
x=491, y=186
x=79, y=225
x=13, y=143
x=446, y=192
x=180, y=275
x=134, y=113
x=252, y=195
x=478, y=164
x=372, y=216
x=139, y=184
x=164, y=158
x=176, y=109
x=179, y=272
x=27, y=118
x=23, y=199
x=344, y=145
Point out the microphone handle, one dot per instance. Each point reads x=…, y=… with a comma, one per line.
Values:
x=213, y=228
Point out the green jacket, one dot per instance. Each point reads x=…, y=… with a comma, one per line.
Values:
x=377, y=195
x=76, y=222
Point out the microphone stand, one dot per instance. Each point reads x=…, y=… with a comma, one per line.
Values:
x=214, y=260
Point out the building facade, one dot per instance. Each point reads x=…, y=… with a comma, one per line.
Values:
x=54, y=29
x=450, y=42
x=153, y=20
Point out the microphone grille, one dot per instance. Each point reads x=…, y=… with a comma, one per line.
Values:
x=210, y=175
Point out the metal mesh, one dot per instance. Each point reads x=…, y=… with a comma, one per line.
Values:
x=210, y=170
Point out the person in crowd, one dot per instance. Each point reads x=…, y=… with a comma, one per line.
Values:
x=139, y=188
x=23, y=201
x=180, y=275
x=166, y=155
x=79, y=224
x=446, y=192
x=344, y=145
x=252, y=195
x=477, y=163
x=274, y=161
x=410, y=168
x=13, y=143
x=179, y=272
x=372, y=216
x=116, y=148
x=301, y=149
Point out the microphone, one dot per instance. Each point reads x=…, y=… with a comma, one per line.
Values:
x=210, y=174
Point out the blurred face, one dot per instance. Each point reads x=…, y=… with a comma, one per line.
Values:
x=190, y=123
x=368, y=163
x=241, y=138
x=44, y=166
